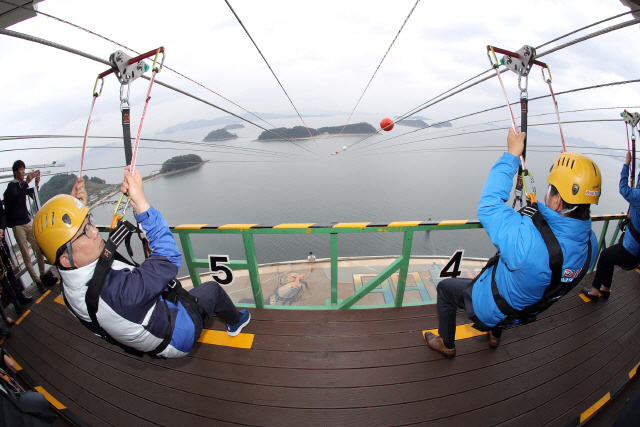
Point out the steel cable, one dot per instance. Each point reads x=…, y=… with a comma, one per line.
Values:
x=501, y=106
x=272, y=72
x=578, y=40
x=95, y=58
x=137, y=53
x=489, y=130
x=243, y=150
x=377, y=68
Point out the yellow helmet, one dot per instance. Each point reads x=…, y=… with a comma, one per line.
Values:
x=577, y=178
x=57, y=222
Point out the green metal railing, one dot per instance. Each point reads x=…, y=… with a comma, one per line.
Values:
x=401, y=264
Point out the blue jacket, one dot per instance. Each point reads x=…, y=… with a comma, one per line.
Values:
x=131, y=308
x=631, y=195
x=523, y=271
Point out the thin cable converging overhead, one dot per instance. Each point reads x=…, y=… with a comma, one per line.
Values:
x=378, y=67
x=272, y=72
x=439, y=98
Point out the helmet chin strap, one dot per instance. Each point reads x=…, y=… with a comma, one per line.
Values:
x=70, y=254
x=562, y=212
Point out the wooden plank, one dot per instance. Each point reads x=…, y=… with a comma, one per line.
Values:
x=64, y=389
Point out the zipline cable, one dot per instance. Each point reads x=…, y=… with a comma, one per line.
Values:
x=156, y=164
x=502, y=106
x=203, y=144
x=272, y=72
x=504, y=120
x=578, y=40
x=485, y=130
x=137, y=53
x=585, y=27
x=374, y=73
x=95, y=58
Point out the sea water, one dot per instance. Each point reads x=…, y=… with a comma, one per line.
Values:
x=356, y=185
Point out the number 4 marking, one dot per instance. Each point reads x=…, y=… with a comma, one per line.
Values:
x=454, y=262
x=216, y=269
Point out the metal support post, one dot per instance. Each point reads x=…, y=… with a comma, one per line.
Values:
x=187, y=250
x=334, y=267
x=404, y=267
x=252, y=266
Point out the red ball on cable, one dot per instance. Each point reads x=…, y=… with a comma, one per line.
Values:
x=386, y=124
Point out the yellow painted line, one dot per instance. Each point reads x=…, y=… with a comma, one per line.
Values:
x=191, y=226
x=43, y=297
x=351, y=225
x=586, y=414
x=462, y=332
x=56, y=404
x=586, y=299
x=453, y=222
x=22, y=317
x=633, y=372
x=59, y=300
x=221, y=338
x=404, y=223
x=223, y=227
x=305, y=225
x=18, y=367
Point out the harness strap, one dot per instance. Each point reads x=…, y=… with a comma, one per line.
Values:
x=126, y=133
x=556, y=288
x=175, y=292
x=94, y=289
x=634, y=233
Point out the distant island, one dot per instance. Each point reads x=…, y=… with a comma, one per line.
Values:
x=441, y=125
x=413, y=123
x=178, y=163
x=236, y=126
x=63, y=183
x=226, y=120
x=219, y=135
x=422, y=124
x=300, y=132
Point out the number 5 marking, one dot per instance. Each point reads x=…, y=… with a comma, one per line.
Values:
x=216, y=269
x=454, y=262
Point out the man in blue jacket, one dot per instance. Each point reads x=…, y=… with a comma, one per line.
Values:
x=522, y=272
x=625, y=253
x=135, y=307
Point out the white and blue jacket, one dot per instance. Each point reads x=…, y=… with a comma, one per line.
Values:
x=131, y=309
x=523, y=271
x=631, y=195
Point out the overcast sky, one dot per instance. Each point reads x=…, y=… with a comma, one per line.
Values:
x=324, y=53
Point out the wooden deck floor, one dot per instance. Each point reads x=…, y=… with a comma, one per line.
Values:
x=344, y=368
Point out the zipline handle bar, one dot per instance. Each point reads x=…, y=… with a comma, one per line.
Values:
x=149, y=54
x=511, y=54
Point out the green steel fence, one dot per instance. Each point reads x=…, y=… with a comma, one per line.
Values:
x=247, y=231
x=401, y=264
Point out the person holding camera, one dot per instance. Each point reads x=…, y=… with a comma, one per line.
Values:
x=18, y=218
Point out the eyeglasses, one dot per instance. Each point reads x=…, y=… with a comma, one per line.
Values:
x=88, y=229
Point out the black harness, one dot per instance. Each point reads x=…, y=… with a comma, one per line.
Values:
x=556, y=289
x=173, y=293
x=627, y=225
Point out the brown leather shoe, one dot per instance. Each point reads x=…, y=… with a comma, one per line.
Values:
x=493, y=341
x=435, y=343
